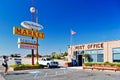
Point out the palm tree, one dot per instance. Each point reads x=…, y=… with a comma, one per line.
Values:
x=87, y=57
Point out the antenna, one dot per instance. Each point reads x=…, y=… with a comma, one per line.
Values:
x=37, y=54
x=36, y=15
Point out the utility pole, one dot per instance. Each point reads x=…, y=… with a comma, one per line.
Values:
x=32, y=10
x=37, y=54
x=60, y=51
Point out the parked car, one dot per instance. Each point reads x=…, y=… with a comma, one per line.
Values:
x=48, y=62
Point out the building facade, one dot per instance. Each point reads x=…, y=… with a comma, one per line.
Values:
x=99, y=52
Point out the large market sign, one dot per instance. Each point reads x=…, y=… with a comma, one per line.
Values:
x=29, y=33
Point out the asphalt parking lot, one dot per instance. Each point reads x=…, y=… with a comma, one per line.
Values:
x=62, y=74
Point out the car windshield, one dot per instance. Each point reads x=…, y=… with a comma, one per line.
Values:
x=48, y=59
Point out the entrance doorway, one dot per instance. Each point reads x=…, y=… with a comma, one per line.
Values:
x=79, y=60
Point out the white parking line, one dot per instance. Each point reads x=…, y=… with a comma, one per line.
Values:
x=62, y=71
x=36, y=73
x=45, y=75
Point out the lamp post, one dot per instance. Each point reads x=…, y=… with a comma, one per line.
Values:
x=32, y=10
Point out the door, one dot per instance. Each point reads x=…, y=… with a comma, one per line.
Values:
x=79, y=60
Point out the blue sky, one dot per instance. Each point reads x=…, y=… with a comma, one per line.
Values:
x=92, y=20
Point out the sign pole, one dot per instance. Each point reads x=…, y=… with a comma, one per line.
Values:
x=32, y=9
x=37, y=54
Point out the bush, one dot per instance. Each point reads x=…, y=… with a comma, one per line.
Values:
x=118, y=65
x=24, y=65
x=107, y=63
x=101, y=63
x=88, y=64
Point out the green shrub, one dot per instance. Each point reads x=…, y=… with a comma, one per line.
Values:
x=118, y=65
x=38, y=65
x=107, y=63
x=88, y=64
x=93, y=63
x=112, y=64
x=101, y=63
x=24, y=65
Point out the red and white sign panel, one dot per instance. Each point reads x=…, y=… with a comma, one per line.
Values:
x=26, y=46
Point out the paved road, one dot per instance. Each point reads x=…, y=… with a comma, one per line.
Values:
x=62, y=74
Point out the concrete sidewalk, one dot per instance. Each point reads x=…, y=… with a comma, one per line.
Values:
x=75, y=67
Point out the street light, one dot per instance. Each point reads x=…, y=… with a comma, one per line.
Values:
x=32, y=10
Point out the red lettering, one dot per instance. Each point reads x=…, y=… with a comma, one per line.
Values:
x=89, y=46
x=18, y=30
x=83, y=46
x=34, y=34
x=101, y=45
x=24, y=32
x=40, y=35
x=80, y=47
x=29, y=32
x=94, y=45
x=77, y=47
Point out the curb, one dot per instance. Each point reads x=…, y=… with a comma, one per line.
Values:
x=74, y=67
